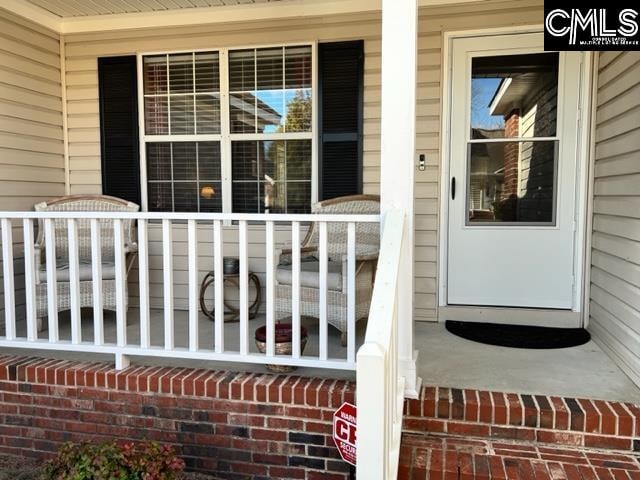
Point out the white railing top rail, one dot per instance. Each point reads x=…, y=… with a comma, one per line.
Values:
x=249, y=217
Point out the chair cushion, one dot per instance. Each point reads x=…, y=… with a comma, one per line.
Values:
x=62, y=272
x=309, y=276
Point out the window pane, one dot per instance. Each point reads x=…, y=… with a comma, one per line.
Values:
x=207, y=72
x=297, y=67
x=155, y=74
x=160, y=197
x=207, y=114
x=244, y=160
x=181, y=73
x=299, y=197
x=209, y=161
x=270, y=110
x=269, y=69
x=298, y=159
x=242, y=112
x=272, y=160
x=242, y=71
x=185, y=197
x=276, y=166
x=298, y=110
x=184, y=161
x=156, y=116
x=514, y=96
x=210, y=196
x=245, y=197
x=181, y=114
x=512, y=182
x=159, y=161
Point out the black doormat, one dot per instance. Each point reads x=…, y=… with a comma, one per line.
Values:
x=517, y=336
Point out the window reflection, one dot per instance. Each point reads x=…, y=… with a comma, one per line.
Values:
x=512, y=181
x=513, y=97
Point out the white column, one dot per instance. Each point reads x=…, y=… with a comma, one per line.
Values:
x=398, y=127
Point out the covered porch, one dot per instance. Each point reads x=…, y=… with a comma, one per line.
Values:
x=197, y=209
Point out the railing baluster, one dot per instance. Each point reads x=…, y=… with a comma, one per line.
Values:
x=74, y=281
x=30, y=279
x=270, y=275
x=96, y=282
x=193, y=285
x=295, y=288
x=9, y=292
x=244, y=286
x=323, y=290
x=167, y=269
x=52, y=288
x=143, y=283
x=351, y=292
x=121, y=278
x=218, y=287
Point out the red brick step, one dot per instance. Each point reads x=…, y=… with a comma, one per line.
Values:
x=440, y=457
x=530, y=418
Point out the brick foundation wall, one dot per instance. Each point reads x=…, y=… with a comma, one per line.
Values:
x=233, y=425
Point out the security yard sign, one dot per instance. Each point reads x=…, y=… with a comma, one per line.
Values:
x=344, y=432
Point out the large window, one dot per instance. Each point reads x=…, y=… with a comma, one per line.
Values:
x=241, y=144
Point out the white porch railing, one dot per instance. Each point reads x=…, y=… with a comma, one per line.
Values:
x=380, y=390
x=21, y=224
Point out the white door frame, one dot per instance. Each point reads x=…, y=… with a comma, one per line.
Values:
x=575, y=317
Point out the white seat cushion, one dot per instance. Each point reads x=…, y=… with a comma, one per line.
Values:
x=62, y=272
x=309, y=276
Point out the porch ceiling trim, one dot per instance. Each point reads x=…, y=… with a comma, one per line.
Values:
x=203, y=15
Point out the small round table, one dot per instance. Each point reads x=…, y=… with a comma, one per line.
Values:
x=231, y=313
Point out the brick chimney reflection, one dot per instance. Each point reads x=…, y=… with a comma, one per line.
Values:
x=511, y=155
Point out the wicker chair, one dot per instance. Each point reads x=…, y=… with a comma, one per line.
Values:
x=367, y=247
x=82, y=203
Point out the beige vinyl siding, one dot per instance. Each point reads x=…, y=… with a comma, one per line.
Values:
x=31, y=146
x=82, y=92
x=615, y=256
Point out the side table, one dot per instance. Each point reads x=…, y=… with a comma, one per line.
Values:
x=231, y=313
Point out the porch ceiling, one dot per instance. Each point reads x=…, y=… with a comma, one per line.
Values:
x=80, y=8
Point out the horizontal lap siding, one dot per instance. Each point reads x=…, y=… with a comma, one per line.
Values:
x=82, y=92
x=31, y=145
x=615, y=257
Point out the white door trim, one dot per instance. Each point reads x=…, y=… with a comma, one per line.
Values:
x=583, y=207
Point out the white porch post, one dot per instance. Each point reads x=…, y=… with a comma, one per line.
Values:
x=399, y=63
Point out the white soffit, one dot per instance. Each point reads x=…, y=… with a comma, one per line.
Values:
x=80, y=16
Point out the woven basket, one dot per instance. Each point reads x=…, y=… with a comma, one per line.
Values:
x=283, y=344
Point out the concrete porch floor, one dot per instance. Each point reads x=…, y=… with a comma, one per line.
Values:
x=445, y=360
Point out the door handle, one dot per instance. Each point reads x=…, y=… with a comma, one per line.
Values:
x=453, y=188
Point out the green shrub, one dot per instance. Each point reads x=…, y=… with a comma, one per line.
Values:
x=115, y=461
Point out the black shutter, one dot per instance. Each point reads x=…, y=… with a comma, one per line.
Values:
x=119, y=127
x=340, y=74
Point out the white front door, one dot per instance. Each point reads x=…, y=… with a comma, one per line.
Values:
x=513, y=173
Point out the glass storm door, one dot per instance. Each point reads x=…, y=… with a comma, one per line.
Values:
x=512, y=173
